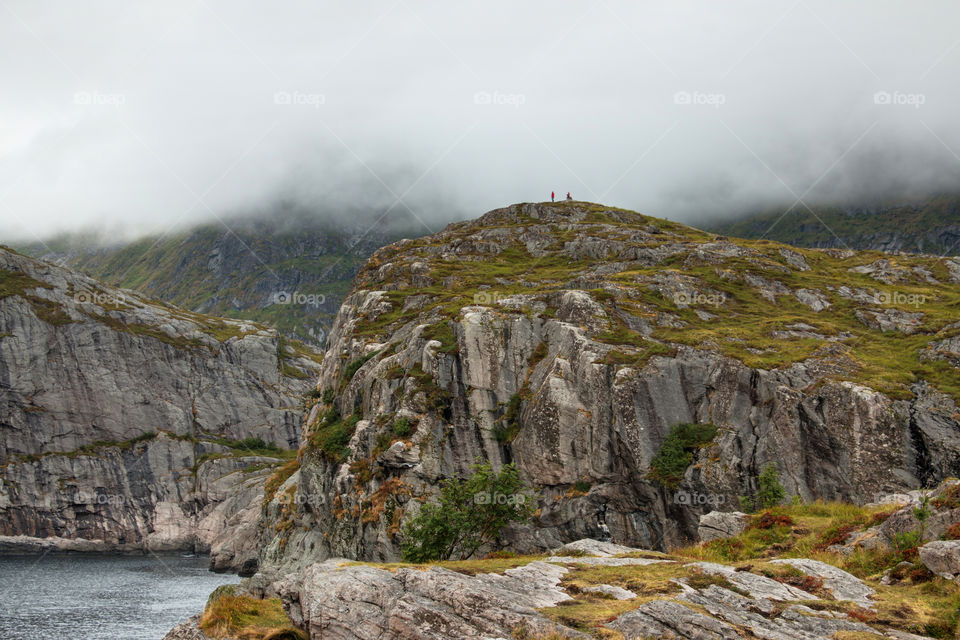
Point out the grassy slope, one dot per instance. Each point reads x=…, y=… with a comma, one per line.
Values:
x=804, y=228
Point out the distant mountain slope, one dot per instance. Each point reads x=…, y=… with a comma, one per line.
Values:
x=291, y=274
x=931, y=226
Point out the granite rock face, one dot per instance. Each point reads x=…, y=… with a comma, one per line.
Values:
x=335, y=600
x=340, y=600
x=118, y=413
x=540, y=379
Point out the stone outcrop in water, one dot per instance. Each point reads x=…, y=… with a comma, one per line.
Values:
x=129, y=424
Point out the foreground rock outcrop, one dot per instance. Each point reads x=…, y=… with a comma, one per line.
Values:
x=128, y=424
x=570, y=338
x=339, y=600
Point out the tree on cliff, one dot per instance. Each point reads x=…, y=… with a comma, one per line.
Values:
x=469, y=513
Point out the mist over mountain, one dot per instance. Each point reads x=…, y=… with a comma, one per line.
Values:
x=923, y=225
x=287, y=267
x=684, y=111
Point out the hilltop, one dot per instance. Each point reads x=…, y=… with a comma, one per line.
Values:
x=574, y=339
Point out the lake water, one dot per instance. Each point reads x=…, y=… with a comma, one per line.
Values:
x=101, y=597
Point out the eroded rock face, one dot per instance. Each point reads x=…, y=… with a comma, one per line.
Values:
x=339, y=600
x=537, y=379
x=333, y=599
x=111, y=404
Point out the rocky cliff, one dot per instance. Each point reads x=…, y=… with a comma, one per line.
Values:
x=570, y=338
x=130, y=424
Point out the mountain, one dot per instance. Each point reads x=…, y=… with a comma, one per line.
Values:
x=131, y=424
x=929, y=226
x=290, y=271
x=574, y=339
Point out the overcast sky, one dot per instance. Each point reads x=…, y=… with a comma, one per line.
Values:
x=142, y=116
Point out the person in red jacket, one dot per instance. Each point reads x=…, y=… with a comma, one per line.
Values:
x=568, y=196
x=552, y=199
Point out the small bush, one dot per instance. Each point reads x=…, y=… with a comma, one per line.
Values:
x=582, y=486
x=770, y=519
x=509, y=425
x=770, y=492
x=328, y=395
x=402, y=427
x=953, y=532
x=676, y=452
x=354, y=365
x=469, y=513
x=907, y=543
x=314, y=393
x=949, y=498
x=835, y=534
x=333, y=436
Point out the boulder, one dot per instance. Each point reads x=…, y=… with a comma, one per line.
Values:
x=942, y=557
x=722, y=524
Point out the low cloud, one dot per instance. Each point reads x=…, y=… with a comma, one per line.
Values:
x=139, y=119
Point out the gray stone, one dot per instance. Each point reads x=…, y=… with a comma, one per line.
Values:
x=841, y=584
x=942, y=557
x=355, y=602
x=617, y=593
x=722, y=524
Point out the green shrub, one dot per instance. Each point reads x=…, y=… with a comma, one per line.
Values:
x=334, y=433
x=402, y=427
x=676, y=452
x=509, y=425
x=469, y=513
x=354, y=365
x=328, y=395
x=770, y=492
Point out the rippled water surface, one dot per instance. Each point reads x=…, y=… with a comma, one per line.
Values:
x=101, y=597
